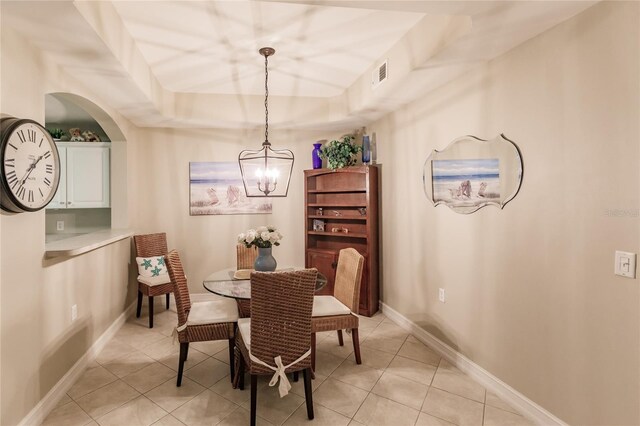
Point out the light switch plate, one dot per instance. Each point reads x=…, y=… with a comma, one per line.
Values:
x=441, y=295
x=625, y=264
x=60, y=225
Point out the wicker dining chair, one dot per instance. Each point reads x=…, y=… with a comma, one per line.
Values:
x=245, y=257
x=214, y=319
x=339, y=312
x=279, y=330
x=151, y=245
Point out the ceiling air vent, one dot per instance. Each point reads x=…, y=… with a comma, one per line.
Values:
x=379, y=75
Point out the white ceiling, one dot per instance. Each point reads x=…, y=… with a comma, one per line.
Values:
x=212, y=47
x=195, y=63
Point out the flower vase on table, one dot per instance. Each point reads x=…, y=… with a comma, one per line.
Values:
x=264, y=238
x=265, y=262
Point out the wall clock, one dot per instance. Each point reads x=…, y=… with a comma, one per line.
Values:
x=29, y=165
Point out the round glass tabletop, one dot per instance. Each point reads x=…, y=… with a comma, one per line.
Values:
x=223, y=284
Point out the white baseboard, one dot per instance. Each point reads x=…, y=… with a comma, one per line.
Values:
x=524, y=405
x=42, y=409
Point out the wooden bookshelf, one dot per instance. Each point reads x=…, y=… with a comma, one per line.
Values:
x=348, y=199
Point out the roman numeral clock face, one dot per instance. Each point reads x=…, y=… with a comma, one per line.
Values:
x=30, y=169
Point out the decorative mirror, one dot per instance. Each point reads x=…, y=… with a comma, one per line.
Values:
x=472, y=173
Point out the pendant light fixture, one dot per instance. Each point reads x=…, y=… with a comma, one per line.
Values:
x=266, y=172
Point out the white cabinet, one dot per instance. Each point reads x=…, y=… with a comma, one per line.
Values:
x=59, y=201
x=84, y=176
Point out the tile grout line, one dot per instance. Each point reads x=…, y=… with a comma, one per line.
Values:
x=104, y=414
x=96, y=389
x=331, y=375
x=374, y=385
x=368, y=392
x=484, y=410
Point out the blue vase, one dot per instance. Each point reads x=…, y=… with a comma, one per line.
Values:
x=366, y=149
x=265, y=262
x=315, y=156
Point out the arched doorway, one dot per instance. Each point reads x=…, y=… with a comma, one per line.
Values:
x=90, y=164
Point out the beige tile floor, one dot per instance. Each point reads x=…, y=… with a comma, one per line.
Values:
x=401, y=382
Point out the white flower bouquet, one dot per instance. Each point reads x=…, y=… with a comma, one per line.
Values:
x=262, y=236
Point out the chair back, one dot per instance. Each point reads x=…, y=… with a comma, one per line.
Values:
x=348, y=277
x=246, y=257
x=148, y=245
x=180, y=287
x=281, y=305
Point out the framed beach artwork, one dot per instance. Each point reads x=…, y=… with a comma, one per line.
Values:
x=472, y=173
x=216, y=188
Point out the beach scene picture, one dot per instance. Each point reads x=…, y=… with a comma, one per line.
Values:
x=216, y=188
x=466, y=183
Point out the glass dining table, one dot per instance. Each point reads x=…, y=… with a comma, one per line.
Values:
x=226, y=283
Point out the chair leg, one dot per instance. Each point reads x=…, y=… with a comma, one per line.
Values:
x=296, y=376
x=356, y=345
x=139, y=308
x=184, y=349
x=232, y=344
x=241, y=373
x=308, y=394
x=168, y=299
x=340, y=340
x=150, y=311
x=254, y=397
x=313, y=351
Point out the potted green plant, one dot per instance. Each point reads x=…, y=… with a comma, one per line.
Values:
x=56, y=134
x=339, y=153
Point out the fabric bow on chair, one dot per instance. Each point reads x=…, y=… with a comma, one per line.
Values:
x=276, y=340
x=214, y=319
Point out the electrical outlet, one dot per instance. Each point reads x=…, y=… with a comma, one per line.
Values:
x=74, y=312
x=441, y=295
x=60, y=225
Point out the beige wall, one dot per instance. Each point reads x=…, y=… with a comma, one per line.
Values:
x=531, y=295
x=39, y=341
x=35, y=355
x=207, y=243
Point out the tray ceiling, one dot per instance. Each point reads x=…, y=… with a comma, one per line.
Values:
x=195, y=64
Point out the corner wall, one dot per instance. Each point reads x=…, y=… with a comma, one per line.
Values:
x=39, y=341
x=531, y=295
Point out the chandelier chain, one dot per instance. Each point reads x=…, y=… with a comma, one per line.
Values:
x=266, y=98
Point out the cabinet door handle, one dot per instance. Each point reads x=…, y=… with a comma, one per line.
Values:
x=334, y=265
x=69, y=202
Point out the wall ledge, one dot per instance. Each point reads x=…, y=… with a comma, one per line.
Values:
x=42, y=409
x=524, y=405
x=85, y=243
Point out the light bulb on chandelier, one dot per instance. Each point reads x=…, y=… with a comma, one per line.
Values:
x=267, y=180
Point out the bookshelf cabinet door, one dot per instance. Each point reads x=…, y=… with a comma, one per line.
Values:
x=325, y=262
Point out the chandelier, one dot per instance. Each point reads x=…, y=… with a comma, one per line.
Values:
x=266, y=172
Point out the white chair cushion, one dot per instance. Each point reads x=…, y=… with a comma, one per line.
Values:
x=244, y=325
x=153, y=281
x=325, y=306
x=213, y=312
